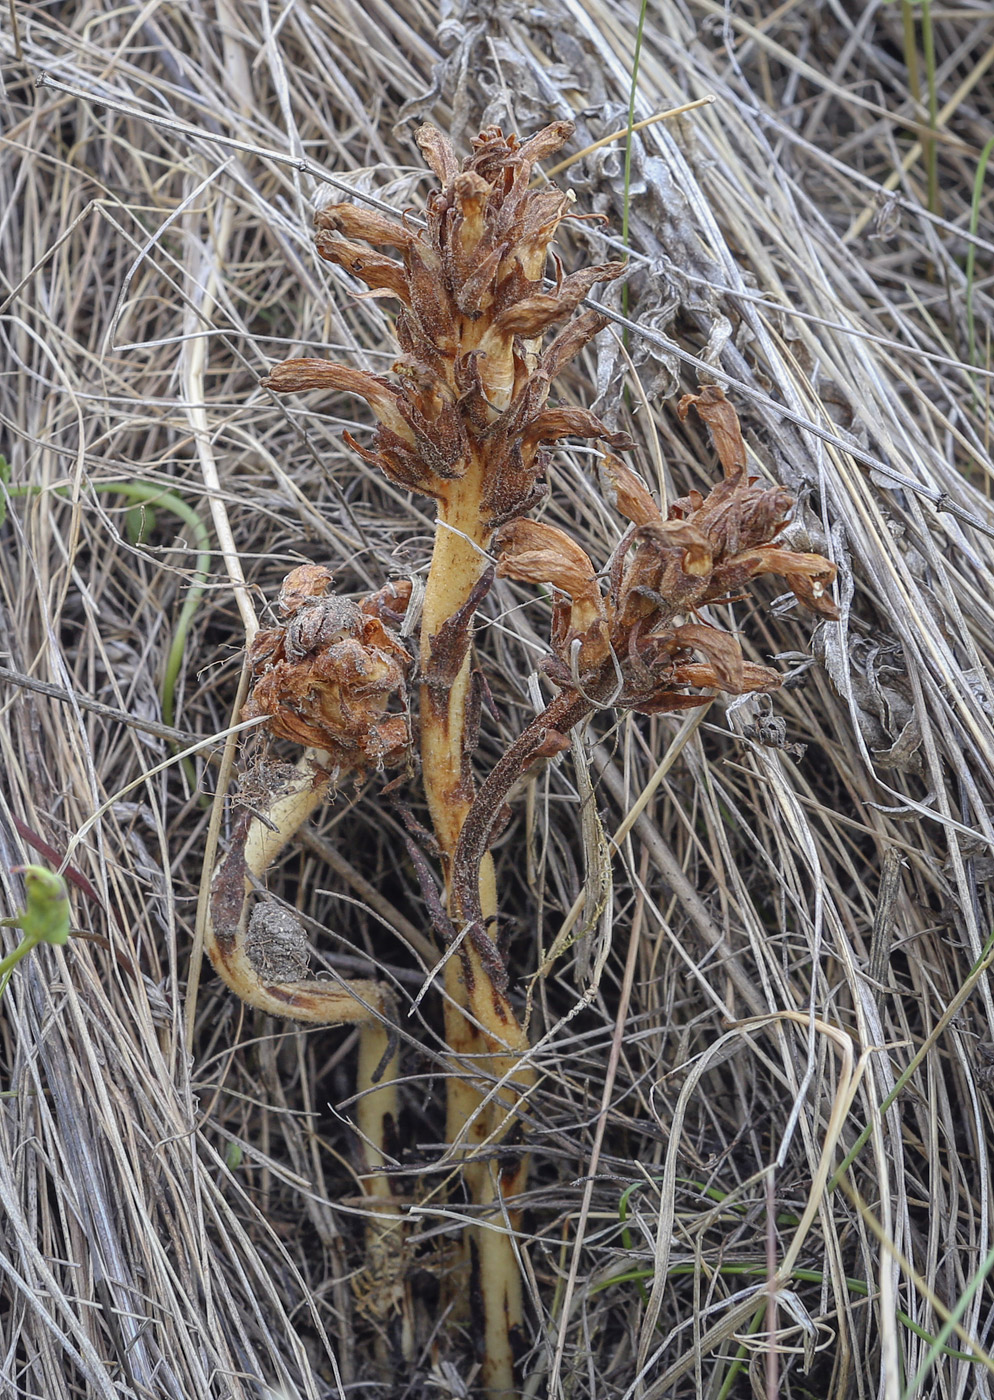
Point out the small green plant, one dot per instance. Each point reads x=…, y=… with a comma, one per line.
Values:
x=44, y=918
x=4, y=484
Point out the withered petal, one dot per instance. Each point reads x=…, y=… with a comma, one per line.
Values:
x=677, y=534
x=355, y=221
x=302, y=585
x=814, y=594
x=555, y=423
x=438, y=153
x=722, y=420
x=545, y=143
x=631, y=496
x=535, y=314
x=389, y=603
x=531, y=316
x=722, y=650
x=810, y=576
x=569, y=342
x=297, y=376
x=753, y=678
x=375, y=269
x=541, y=214
x=472, y=194
x=534, y=552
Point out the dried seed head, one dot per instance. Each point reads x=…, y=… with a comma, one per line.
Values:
x=470, y=393
x=629, y=648
x=302, y=586
x=329, y=675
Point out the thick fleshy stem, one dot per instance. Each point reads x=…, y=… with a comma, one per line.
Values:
x=490, y=1036
x=496, y=1275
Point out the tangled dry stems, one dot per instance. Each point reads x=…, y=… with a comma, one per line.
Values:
x=190, y=1228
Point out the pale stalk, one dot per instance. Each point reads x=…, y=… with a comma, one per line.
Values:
x=255, y=845
x=377, y=1111
x=458, y=563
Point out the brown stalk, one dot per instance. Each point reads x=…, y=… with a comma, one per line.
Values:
x=464, y=420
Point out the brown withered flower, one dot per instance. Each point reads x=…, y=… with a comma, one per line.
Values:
x=328, y=675
x=467, y=404
x=629, y=647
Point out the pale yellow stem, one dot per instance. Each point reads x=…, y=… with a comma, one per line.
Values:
x=500, y=1286
x=385, y=1271
x=253, y=849
x=458, y=563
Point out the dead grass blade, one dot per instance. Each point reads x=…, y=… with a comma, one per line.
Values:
x=192, y=1225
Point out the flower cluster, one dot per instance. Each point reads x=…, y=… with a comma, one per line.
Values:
x=468, y=403
x=628, y=648
x=328, y=674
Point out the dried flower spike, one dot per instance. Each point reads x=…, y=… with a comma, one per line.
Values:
x=469, y=401
x=630, y=648
x=464, y=418
x=326, y=677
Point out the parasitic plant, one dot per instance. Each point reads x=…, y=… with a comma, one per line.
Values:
x=464, y=419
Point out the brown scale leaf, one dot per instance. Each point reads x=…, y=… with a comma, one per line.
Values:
x=723, y=422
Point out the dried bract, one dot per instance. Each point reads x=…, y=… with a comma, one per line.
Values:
x=629, y=647
x=468, y=400
x=329, y=674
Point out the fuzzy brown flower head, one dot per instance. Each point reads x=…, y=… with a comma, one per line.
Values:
x=327, y=676
x=469, y=397
x=629, y=648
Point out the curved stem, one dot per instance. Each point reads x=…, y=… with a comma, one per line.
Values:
x=147, y=494
x=560, y=716
x=255, y=845
x=8, y=964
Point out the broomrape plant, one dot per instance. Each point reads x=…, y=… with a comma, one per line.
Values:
x=464, y=419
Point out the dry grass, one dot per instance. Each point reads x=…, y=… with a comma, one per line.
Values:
x=185, y=1225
